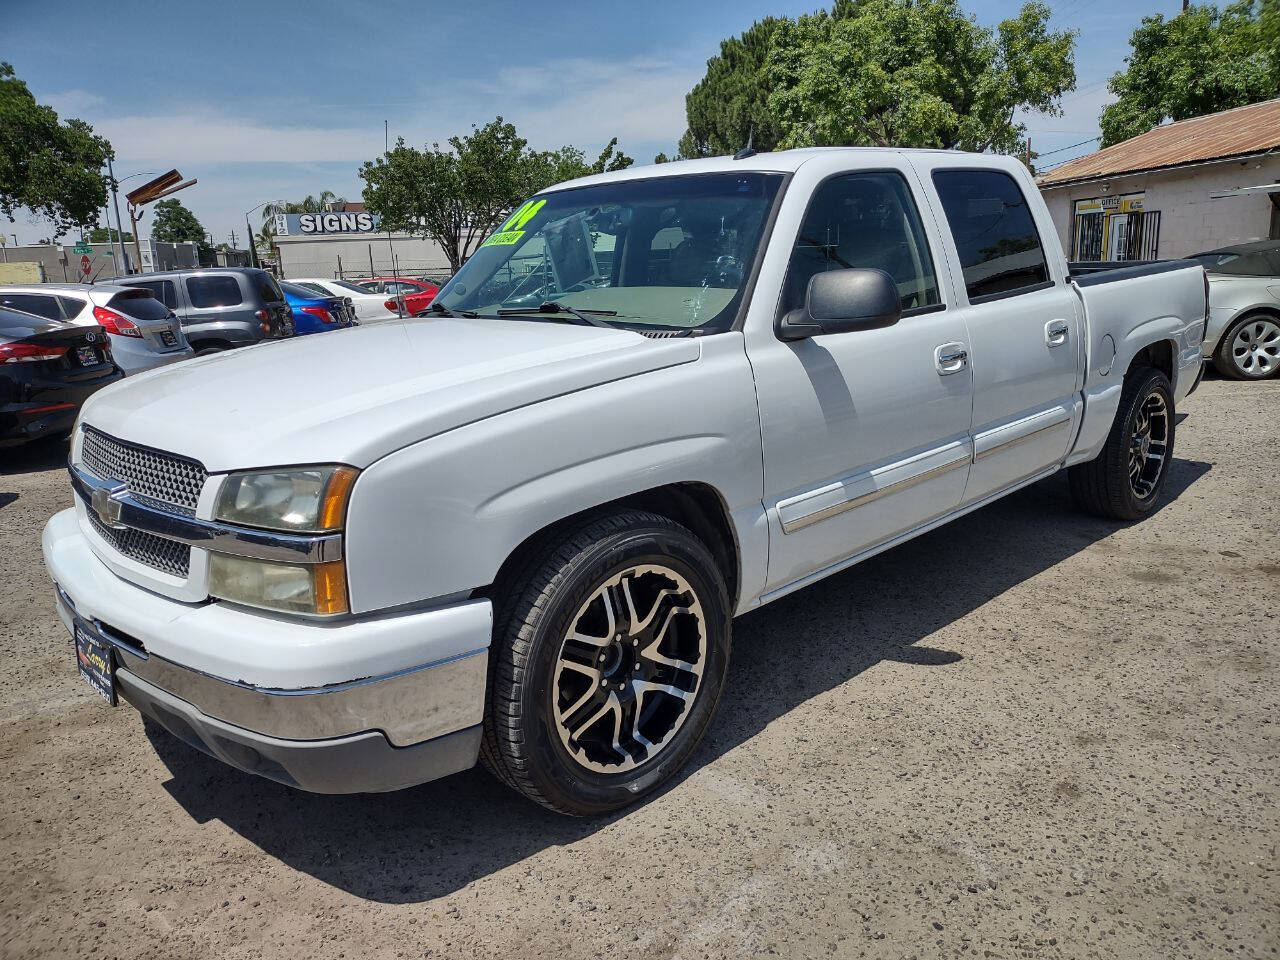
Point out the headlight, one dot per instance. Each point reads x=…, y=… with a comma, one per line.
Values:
x=314, y=588
x=301, y=500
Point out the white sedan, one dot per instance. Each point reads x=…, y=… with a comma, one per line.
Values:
x=368, y=306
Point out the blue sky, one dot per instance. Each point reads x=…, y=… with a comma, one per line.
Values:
x=282, y=98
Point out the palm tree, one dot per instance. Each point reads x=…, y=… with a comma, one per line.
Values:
x=266, y=238
x=307, y=204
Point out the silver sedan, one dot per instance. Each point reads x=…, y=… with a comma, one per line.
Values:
x=1243, y=339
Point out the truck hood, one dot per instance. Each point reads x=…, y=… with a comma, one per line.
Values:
x=354, y=395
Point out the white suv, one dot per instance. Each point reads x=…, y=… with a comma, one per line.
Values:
x=144, y=332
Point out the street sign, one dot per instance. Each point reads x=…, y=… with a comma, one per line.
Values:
x=85, y=264
x=82, y=248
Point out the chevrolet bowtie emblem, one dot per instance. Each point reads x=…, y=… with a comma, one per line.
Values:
x=106, y=505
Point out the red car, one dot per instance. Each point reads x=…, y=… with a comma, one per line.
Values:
x=407, y=295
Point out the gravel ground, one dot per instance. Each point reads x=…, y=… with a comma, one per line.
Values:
x=1028, y=734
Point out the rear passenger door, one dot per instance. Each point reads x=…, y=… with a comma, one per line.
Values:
x=1023, y=323
x=213, y=299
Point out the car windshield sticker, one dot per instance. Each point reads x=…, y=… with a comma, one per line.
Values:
x=504, y=239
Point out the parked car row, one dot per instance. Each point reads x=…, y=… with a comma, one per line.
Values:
x=408, y=296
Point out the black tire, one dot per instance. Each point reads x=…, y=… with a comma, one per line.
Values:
x=1102, y=486
x=537, y=606
x=1227, y=364
x=205, y=351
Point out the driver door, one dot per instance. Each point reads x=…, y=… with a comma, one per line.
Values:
x=866, y=433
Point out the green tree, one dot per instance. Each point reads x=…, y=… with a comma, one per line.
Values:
x=108, y=235
x=1198, y=62
x=916, y=73
x=458, y=194
x=730, y=104
x=174, y=223
x=50, y=167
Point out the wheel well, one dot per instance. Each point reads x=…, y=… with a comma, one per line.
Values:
x=206, y=343
x=697, y=506
x=1159, y=355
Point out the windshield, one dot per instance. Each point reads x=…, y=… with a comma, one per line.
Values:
x=666, y=252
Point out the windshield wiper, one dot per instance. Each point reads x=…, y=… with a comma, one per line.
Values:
x=583, y=317
x=444, y=311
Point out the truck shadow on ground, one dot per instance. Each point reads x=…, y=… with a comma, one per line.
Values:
x=432, y=840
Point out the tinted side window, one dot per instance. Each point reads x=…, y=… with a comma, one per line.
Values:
x=164, y=290
x=72, y=308
x=995, y=234
x=1253, y=264
x=213, y=291
x=863, y=220
x=267, y=288
x=40, y=304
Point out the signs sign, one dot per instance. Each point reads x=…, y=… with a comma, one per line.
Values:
x=82, y=248
x=85, y=264
x=312, y=224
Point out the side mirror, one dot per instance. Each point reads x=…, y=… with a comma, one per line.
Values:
x=839, y=301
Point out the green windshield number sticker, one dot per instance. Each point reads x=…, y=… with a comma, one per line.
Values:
x=527, y=211
x=504, y=238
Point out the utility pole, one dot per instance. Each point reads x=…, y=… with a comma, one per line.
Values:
x=115, y=200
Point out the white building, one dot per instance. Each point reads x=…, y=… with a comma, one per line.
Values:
x=1179, y=189
x=349, y=243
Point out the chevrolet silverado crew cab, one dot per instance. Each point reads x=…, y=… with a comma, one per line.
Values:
x=518, y=530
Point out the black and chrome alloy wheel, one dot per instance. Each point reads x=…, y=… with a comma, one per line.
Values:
x=629, y=668
x=1148, y=445
x=610, y=649
x=1124, y=481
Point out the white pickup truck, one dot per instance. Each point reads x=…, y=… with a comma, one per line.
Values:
x=654, y=399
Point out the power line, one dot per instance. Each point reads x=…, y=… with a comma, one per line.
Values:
x=1050, y=153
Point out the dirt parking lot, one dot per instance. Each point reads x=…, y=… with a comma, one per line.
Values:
x=1028, y=734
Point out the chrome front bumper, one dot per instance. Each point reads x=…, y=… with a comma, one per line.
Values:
x=408, y=706
x=365, y=704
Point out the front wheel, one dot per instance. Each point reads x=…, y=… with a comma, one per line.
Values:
x=1125, y=480
x=607, y=663
x=1250, y=349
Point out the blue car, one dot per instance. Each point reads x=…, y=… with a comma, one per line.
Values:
x=316, y=314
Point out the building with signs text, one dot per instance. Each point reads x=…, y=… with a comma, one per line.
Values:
x=349, y=243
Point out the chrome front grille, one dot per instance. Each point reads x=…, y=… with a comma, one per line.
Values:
x=167, y=556
x=169, y=482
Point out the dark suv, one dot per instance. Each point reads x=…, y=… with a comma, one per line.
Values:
x=221, y=308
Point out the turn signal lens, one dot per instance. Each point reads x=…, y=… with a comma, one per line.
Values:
x=318, y=589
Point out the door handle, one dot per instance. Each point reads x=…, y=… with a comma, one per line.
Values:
x=951, y=358
x=1055, y=332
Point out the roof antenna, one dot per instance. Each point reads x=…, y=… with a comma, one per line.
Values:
x=747, y=151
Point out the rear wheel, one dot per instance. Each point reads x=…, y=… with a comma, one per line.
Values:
x=1125, y=480
x=1250, y=349
x=608, y=660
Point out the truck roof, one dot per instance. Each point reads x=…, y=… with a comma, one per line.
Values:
x=781, y=161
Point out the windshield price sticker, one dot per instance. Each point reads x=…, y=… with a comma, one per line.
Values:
x=505, y=238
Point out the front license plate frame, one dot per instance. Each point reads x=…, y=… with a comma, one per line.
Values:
x=95, y=661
